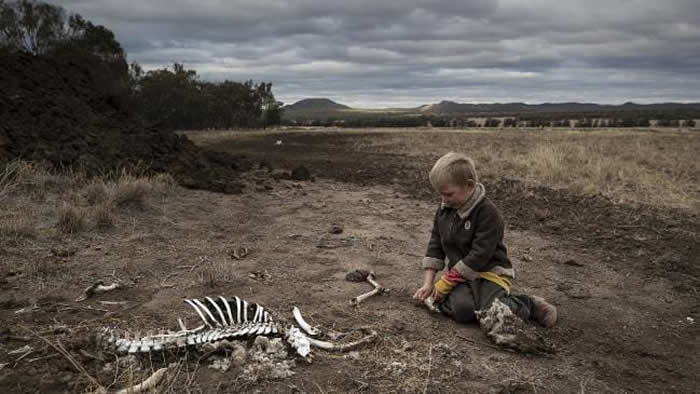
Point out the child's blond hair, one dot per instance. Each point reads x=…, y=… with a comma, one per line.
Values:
x=455, y=169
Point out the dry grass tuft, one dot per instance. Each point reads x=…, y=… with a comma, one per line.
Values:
x=71, y=219
x=213, y=274
x=17, y=226
x=96, y=192
x=103, y=214
x=130, y=191
x=163, y=183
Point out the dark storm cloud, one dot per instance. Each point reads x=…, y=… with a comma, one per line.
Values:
x=377, y=53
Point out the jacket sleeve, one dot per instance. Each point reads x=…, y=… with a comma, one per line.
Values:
x=435, y=255
x=488, y=233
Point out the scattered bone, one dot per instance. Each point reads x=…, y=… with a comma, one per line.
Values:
x=430, y=303
x=268, y=360
x=345, y=347
x=23, y=349
x=239, y=253
x=507, y=330
x=98, y=287
x=221, y=364
x=3, y=365
x=377, y=289
x=27, y=309
x=113, y=302
x=147, y=384
x=303, y=324
x=260, y=276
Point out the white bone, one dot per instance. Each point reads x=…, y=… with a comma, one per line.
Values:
x=221, y=313
x=201, y=315
x=344, y=347
x=206, y=309
x=228, y=310
x=147, y=384
x=257, y=316
x=238, y=310
x=134, y=347
x=303, y=324
x=245, y=311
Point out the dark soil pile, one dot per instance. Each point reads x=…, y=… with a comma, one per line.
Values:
x=70, y=111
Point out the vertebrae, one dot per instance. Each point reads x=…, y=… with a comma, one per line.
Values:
x=223, y=319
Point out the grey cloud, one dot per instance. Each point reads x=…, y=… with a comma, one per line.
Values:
x=377, y=53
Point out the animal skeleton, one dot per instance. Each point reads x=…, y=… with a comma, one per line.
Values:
x=227, y=319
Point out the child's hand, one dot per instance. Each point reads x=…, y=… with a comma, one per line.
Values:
x=424, y=292
x=437, y=296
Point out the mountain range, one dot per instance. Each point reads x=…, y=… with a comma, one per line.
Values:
x=325, y=108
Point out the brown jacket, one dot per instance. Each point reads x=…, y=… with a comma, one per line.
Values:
x=470, y=239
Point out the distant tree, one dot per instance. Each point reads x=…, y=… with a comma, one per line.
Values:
x=40, y=28
x=271, y=108
x=30, y=26
x=491, y=122
x=690, y=123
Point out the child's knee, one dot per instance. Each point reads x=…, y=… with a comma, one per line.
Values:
x=463, y=310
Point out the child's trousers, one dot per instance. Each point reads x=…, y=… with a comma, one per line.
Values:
x=479, y=294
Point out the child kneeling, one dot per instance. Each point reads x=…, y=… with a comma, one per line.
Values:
x=468, y=234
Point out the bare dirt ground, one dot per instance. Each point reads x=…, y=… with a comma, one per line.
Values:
x=624, y=276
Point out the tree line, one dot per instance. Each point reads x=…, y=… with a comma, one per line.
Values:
x=465, y=121
x=174, y=98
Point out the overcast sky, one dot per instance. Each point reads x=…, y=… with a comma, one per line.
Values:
x=378, y=53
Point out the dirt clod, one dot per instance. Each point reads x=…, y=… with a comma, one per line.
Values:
x=300, y=173
x=357, y=276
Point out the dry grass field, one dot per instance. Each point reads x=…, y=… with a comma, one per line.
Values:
x=605, y=224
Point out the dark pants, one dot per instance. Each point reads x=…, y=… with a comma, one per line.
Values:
x=476, y=295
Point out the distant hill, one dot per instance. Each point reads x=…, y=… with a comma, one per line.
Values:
x=314, y=105
x=327, y=107
x=322, y=111
x=451, y=107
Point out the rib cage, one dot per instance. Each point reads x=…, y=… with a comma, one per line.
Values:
x=221, y=312
x=223, y=319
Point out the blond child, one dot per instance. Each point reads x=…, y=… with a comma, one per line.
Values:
x=468, y=235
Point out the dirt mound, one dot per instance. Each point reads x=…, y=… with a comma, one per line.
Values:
x=70, y=110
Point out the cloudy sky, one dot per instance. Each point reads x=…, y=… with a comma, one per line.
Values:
x=383, y=53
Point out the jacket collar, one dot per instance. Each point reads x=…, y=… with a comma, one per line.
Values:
x=477, y=196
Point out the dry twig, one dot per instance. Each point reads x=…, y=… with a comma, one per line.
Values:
x=59, y=348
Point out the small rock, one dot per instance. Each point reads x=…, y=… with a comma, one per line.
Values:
x=238, y=357
x=357, y=276
x=573, y=262
x=301, y=173
x=527, y=257
x=354, y=355
x=336, y=229
x=261, y=343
